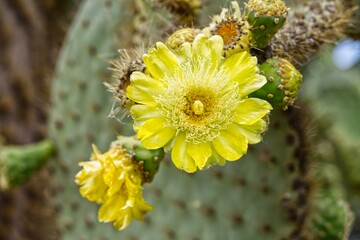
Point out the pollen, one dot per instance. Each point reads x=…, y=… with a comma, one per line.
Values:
x=197, y=107
x=199, y=104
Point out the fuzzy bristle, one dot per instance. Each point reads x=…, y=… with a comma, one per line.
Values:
x=128, y=62
x=184, y=11
x=311, y=26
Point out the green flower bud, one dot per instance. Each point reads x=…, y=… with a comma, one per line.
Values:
x=149, y=160
x=283, y=83
x=265, y=17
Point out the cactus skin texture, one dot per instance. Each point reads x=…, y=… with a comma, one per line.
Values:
x=78, y=115
x=283, y=83
x=265, y=19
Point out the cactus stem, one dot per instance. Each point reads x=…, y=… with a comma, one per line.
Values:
x=19, y=163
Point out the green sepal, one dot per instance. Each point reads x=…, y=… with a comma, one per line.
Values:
x=149, y=158
x=19, y=163
x=283, y=83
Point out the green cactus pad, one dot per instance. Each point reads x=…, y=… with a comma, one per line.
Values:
x=283, y=83
x=80, y=106
x=265, y=19
x=19, y=163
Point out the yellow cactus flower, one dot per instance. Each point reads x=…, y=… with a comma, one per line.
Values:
x=113, y=180
x=194, y=103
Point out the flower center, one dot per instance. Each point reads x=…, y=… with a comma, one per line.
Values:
x=233, y=31
x=197, y=107
x=199, y=104
x=200, y=101
x=228, y=31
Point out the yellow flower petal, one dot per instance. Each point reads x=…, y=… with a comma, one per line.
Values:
x=210, y=50
x=90, y=179
x=251, y=110
x=153, y=134
x=243, y=69
x=153, y=66
x=161, y=61
x=143, y=89
x=231, y=144
x=140, y=208
x=200, y=153
x=167, y=57
x=216, y=45
x=215, y=159
x=124, y=219
x=251, y=84
x=184, y=52
x=200, y=47
x=241, y=65
x=180, y=157
x=109, y=210
x=142, y=113
x=110, y=177
x=253, y=132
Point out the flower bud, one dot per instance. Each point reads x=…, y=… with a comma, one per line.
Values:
x=283, y=83
x=265, y=17
x=181, y=36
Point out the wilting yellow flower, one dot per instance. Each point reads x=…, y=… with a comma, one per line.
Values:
x=113, y=180
x=194, y=103
x=91, y=181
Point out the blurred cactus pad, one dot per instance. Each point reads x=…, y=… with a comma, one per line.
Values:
x=300, y=182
